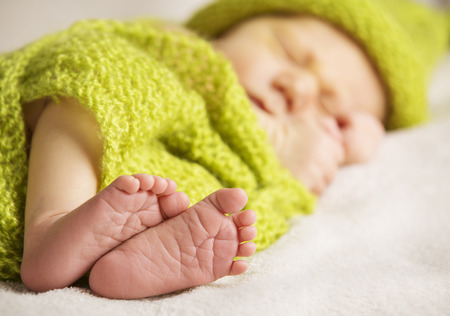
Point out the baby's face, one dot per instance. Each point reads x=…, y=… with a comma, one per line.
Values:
x=307, y=79
x=287, y=64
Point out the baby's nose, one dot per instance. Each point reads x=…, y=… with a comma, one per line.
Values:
x=300, y=90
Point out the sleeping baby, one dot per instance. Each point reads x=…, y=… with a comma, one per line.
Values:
x=151, y=158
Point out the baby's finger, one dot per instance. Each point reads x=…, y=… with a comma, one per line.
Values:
x=329, y=169
x=335, y=151
x=317, y=182
x=331, y=126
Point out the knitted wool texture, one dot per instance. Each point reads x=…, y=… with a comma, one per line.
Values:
x=403, y=39
x=166, y=103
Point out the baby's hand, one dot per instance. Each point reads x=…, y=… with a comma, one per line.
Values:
x=313, y=152
x=362, y=134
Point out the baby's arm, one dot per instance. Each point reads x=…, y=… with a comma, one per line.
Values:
x=362, y=134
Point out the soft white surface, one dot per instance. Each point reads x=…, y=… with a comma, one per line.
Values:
x=379, y=243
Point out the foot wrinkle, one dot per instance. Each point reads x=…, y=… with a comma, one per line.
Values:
x=189, y=259
x=106, y=241
x=147, y=262
x=143, y=263
x=122, y=220
x=207, y=247
x=188, y=256
x=107, y=203
x=171, y=256
x=125, y=210
x=188, y=266
x=115, y=211
x=132, y=222
x=196, y=218
x=214, y=269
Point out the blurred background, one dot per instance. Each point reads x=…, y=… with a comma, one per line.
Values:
x=22, y=21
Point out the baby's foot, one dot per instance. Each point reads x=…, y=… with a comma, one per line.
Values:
x=73, y=243
x=131, y=204
x=194, y=248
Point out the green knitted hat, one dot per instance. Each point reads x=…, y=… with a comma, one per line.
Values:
x=403, y=39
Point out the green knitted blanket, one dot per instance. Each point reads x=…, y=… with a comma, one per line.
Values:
x=167, y=104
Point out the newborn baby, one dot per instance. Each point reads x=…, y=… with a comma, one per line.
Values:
x=320, y=112
x=315, y=92
x=91, y=112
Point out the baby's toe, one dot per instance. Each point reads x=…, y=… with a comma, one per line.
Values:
x=173, y=204
x=238, y=267
x=125, y=183
x=171, y=187
x=246, y=249
x=244, y=218
x=146, y=181
x=160, y=186
x=247, y=233
x=229, y=200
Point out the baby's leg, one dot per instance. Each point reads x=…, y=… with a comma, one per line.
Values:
x=125, y=208
x=68, y=227
x=194, y=248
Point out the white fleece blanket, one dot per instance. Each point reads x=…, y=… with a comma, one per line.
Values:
x=379, y=243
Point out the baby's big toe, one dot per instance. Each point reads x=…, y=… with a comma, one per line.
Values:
x=173, y=204
x=229, y=200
